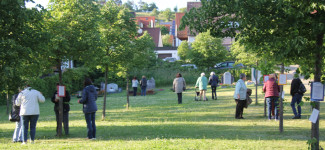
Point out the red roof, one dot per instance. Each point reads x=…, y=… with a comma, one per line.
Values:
x=154, y=33
x=146, y=21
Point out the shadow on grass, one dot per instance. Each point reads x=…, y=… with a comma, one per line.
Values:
x=179, y=131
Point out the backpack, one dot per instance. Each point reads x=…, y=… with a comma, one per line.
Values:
x=302, y=88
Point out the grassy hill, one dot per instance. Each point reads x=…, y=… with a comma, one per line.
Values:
x=158, y=122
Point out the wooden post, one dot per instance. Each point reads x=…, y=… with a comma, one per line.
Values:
x=59, y=131
x=256, y=74
x=105, y=93
x=281, y=104
x=127, y=93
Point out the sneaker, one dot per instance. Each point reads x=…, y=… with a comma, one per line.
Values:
x=93, y=138
x=24, y=143
x=276, y=119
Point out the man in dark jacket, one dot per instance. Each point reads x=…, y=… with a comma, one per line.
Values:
x=88, y=100
x=66, y=109
x=213, y=81
x=296, y=96
x=143, y=84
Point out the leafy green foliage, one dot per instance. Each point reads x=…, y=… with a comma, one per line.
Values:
x=166, y=40
x=184, y=51
x=207, y=50
x=167, y=13
x=164, y=30
x=22, y=44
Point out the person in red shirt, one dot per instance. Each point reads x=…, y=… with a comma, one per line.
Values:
x=271, y=90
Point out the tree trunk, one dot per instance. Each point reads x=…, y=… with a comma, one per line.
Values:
x=127, y=93
x=264, y=107
x=8, y=101
x=281, y=104
x=59, y=131
x=256, y=74
x=105, y=92
x=317, y=78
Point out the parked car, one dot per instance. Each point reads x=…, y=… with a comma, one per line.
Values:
x=228, y=65
x=169, y=59
x=189, y=66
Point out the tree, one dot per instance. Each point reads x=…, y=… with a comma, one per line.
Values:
x=143, y=6
x=118, y=31
x=73, y=29
x=175, y=9
x=164, y=30
x=287, y=30
x=207, y=50
x=166, y=40
x=155, y=12
x=152, y=6
x=167, y=14
x=184, y=51
x=22, y=45
x=129, y=5
x=183, y=10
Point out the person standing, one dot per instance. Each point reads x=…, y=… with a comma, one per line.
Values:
x=143, y=84
x=88, y=99
x=15, y=110
x=135, y=83
x=296, y=96
x=202, y=83
x=66, y=109
x=271, y=90
x=179, y=86
x=213, y=81
x=240, y=96
x=29, y=110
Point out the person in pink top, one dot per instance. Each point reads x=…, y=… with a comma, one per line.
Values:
x=271, y=90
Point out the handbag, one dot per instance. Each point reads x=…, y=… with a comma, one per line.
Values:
x=14, y=117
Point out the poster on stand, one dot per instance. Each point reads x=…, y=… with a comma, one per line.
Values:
x=283, y=79
x=317, y=91
x=61, y=90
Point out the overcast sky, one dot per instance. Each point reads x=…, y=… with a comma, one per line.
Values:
x=161, y=4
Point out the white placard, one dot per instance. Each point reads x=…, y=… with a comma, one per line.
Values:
x=314, y=116
x=282, y=79
x=61, y=91
x=317, y=92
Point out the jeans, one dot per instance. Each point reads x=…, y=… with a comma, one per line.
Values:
x=26, y=120
x=143, y=90
x=240, y=108
x=65, y=121
x=296, y=99
x=91, y=126
x=18, y=132
x=179, y=96
x=269, y=101
x=135, y=89
x=214, y=92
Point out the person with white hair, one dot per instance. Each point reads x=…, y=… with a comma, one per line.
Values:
x=202, y=83
x=240, y=96
x=213, y=81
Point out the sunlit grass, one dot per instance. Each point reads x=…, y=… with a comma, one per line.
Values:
x=158, y=122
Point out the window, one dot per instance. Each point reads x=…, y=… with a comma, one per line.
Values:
x=231, y=64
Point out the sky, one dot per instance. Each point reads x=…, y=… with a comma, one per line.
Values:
x=161, y=4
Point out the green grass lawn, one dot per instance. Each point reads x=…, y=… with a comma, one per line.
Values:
x=158, y=122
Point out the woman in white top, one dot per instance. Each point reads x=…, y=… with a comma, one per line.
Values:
x=29, y=110
x=135, y=83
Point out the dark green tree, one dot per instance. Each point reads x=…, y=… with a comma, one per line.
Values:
x=22, y=45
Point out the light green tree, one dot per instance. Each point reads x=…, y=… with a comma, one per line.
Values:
x=167, y=14
x=118, y=32
x=184, y=51
x=73, y=29
x=166, y=40
x=207, y=50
